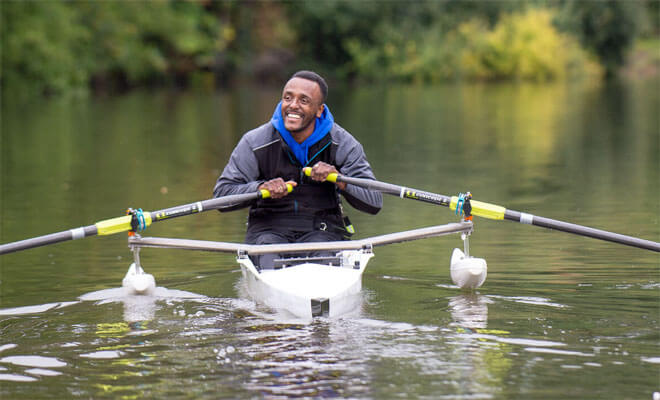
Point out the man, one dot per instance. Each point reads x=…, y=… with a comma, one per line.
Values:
x=301, y=133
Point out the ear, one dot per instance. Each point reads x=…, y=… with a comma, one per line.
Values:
x=320, y=110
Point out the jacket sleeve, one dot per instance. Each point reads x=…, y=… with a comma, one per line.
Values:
x=352, y=161
x=240, y=174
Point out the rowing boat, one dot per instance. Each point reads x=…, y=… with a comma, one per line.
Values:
x=306, y=287
x=309, y=287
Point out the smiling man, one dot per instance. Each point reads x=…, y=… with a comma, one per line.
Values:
x=301, y=133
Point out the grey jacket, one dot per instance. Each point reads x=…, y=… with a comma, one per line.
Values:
x=243, y=174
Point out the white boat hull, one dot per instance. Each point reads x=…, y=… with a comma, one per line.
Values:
x=309, y=290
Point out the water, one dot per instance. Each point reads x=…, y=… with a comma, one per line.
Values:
x=560, y=316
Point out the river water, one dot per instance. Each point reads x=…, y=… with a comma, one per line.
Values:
x=559, y=316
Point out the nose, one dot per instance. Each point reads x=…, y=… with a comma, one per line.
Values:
x=294, y=102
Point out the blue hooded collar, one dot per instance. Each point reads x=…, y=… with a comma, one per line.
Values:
x=323, y=125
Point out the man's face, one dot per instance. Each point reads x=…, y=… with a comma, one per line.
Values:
x=301, y=104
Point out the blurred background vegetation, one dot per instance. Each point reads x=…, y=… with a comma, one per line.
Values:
x=63, y=47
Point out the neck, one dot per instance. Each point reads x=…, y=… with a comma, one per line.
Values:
x=301, y=136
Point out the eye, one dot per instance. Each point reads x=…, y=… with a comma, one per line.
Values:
x=304, y=100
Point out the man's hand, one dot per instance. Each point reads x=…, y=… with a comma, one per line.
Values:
x=277, y=187
x=321, y=170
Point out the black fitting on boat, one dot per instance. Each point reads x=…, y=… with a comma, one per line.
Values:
x=467, y=207
x=138, y=222
x=463, y=206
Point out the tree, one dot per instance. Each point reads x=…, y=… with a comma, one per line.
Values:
x=607, y=28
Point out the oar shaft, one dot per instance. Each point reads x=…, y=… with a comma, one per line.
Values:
x=123, y=224
x=71, y=234
x=492, y=211
x=395, y=190
x=581, y=230
x=205, y=205
x=480, y=209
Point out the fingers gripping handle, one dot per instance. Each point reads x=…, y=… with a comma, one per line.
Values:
x=330, y=178
x=265, y=194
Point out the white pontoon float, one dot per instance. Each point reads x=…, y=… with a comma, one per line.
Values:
x=317, y=286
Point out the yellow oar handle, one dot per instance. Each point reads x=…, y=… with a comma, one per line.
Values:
x=119, y=224
x=481, y=209
x=330, y=178
x=265, y=194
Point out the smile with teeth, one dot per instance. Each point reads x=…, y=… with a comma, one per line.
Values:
x=293, y=116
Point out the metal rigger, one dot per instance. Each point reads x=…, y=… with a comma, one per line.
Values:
x=466, y=271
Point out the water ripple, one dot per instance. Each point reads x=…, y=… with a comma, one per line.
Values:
x=103, y=354
x=16, y=378
x=557, y=352
x=540, y=301
x=34, y=361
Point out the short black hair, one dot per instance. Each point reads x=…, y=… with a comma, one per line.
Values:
x=313, y=76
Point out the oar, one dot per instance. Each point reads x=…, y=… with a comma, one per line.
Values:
x=492, y=211
x=125, y=223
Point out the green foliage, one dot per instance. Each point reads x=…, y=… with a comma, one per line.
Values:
x=607, y=28
x=41, y=44
x=520, y=46
x=366, y=38
x=145, y=41
x=57, y=46
x=60, y=46
x=324, y=27
x=414, y=56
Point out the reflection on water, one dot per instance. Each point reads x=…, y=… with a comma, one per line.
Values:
x=35, y=309
x=138, y=307
x=41, y=367
x=247, y=351
x=552, y=303
x=324, y=358
x=470, y=311
x=529, y=300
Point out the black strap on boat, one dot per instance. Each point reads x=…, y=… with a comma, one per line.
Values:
x=348, y=226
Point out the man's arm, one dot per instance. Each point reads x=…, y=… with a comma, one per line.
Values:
x=352, y=161
x=240, y=174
